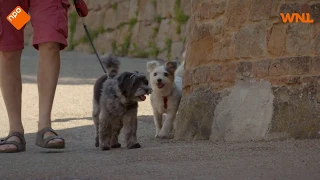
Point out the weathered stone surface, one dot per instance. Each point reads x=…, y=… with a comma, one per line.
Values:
x=296, y=111
x=110, y=20
x=315, y=66
x=143, y=34
x=133, y=10
x=239, y=117
x=260, y=68
x=290, y=8
x=103, y=42
x=147, y=11
x=315, y=12
x=250, y=41
x=222, y=49
x=83, y=48
x=186, y=7
x=298, y=40
x=317, y=44
x=209, y=10
x=259, y=11
x=176, y=50
x=237, y=12
x=165, y=8
x=277, y=40
x=290, y=66
x=195, y=115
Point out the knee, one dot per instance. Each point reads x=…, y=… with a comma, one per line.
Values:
x=10, y=56
x=49, y=47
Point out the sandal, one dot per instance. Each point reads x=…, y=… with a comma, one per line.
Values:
x=41, y=142
x=21, y=146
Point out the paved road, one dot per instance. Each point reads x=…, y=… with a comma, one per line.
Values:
x=157, y=159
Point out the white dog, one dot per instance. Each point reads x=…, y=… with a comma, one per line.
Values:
x=166, y=83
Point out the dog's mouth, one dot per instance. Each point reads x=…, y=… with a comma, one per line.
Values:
x=160, y=85
x=142, y=97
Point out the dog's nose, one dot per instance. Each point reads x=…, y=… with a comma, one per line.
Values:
x=159, y=80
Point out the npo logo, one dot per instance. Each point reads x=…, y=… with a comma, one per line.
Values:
x=18, y=18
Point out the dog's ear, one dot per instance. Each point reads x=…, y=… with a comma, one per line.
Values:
x=171, y=66
x=126, y=81
x=151, y=65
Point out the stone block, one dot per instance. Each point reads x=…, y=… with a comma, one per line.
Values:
x=315, y=67
x=290, y=8
x=186, y=7
x=290, y=66
x=165, y=8
x=244, y=68
x=259, y=12
x=195, y=115
x=298, y=40
x=133, y=10
x=315, y=12
x=317, y=44
x=296, y=112
x=147, y=10
x=260, y=68
x=237, y=13
x=176, y=50
x=250, y=41
x=277, y=39
x=209, y=10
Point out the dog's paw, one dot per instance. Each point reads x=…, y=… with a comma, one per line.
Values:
x=117, y=145
x=105, y=148
x=97, y=142
x=164, y=136
x=134, y=146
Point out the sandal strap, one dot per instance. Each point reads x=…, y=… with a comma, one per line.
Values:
x=20, y=146
x=46, y=140
x=14, y=134
x=43, y=142
x=44, y=130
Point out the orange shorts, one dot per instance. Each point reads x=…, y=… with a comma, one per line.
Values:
x=49, y=19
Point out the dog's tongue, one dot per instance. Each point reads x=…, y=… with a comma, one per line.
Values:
x=143, y=98
x=160, y=85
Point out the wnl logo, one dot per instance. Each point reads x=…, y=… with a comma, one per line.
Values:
x=304, y=18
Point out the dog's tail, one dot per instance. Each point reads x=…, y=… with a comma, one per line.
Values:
x=111, y=64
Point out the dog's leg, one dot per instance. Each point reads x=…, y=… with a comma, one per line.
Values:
x=157, y=118
x=167, y=125
x=130, y=125
x=95, y=118
x=115, y=134
x=105, y=128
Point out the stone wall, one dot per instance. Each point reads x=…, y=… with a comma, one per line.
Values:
x=134, y=28
x=249, y=76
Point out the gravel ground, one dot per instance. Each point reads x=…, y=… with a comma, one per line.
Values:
x=157, y=159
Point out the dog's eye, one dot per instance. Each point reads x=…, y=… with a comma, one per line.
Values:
x=166, y=74
x=155, y=74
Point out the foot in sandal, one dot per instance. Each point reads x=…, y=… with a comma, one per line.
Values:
x=14, y=142
x=48, y=138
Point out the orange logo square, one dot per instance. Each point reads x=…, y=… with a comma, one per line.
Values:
x=18, y=18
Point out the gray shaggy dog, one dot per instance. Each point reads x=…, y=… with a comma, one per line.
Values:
x=115, y=105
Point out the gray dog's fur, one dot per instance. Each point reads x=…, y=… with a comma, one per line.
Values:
x=115, y=105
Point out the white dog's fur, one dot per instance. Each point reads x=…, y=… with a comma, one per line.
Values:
x=167, y=93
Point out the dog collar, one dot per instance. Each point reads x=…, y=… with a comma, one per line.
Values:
x=165, y=102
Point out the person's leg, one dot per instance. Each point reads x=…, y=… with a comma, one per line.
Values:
x=11, y=88
x=50, y=23
x=11, y=46
x=48, y=73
